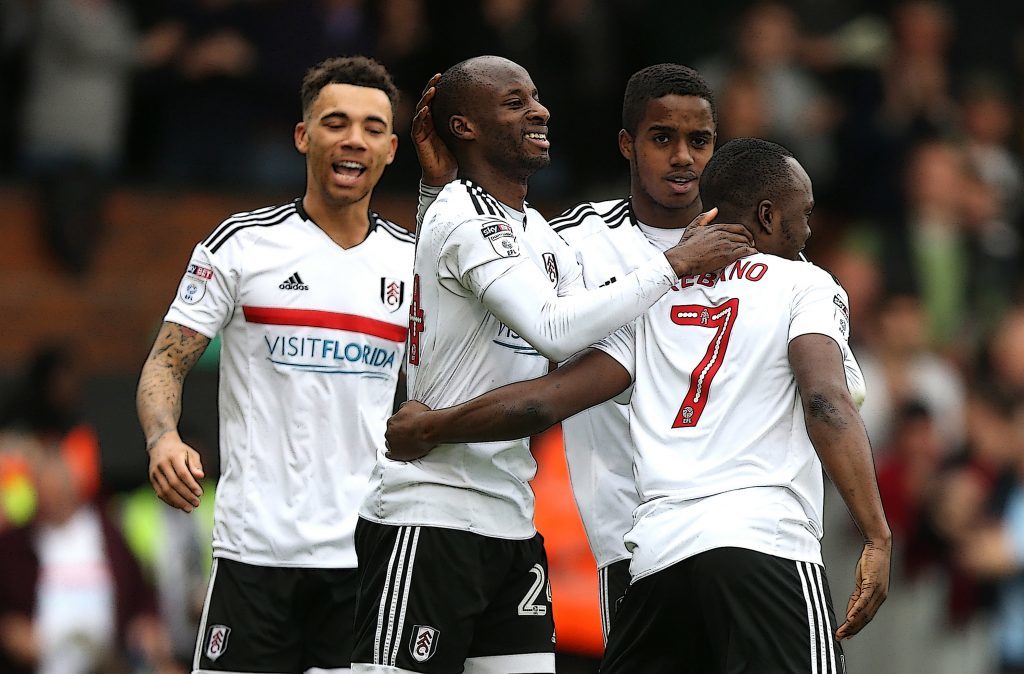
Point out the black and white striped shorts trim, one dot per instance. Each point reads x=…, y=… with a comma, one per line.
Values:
x=823, y=657
x=395, y=598
x=606, y=610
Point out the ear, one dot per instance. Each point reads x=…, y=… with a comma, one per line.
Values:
x=625, y=144
x=394, y=149
x=301, y=138
x=461, y=127
x=766, y=215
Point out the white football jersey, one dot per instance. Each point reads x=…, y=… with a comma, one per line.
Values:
x=722, y=457
x=609, y=245
x=313, y=339
x=459, y=350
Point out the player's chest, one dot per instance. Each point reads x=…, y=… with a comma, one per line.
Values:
x=328, y=281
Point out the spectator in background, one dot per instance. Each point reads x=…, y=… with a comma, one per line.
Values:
x=988, y=124
x=81, y=55
x=995, y=551
x=893, y=104
x=1002, y=361
x=72, y=598
x=924, y=248
x=899, y=368
x=907, y=471
x=762, y=65
x=75, y=113
x=44, y=412
x=993, y=252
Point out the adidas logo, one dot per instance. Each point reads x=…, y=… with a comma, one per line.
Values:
x=293, y=282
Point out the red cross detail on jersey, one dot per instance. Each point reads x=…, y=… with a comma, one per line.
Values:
x=415, y=322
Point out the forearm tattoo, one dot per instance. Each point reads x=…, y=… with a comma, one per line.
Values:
x=821, y=408
x=174, y=354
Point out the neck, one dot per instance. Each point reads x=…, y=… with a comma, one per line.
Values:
x=509, y=191
x=654, y=214
x=347, y=224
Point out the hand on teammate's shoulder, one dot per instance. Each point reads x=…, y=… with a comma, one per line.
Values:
x=706, y=247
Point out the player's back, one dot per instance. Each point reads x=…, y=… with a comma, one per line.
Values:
x=722, y=453
x=715, y=406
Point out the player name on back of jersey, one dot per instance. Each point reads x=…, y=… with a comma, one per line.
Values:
x=740, y=270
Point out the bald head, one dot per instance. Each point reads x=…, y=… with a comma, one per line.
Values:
x=460, y=90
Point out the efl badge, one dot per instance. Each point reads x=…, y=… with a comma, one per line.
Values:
x=502, y=238
x=392, y=292
x=842, y=315
x=423, y=643
x=217, y=642
x=193, y=283
x=551, y=267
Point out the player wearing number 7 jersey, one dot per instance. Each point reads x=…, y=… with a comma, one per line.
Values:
x=739, y=397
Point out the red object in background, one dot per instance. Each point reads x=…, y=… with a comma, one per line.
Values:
x=571, y=565
x=81, y=449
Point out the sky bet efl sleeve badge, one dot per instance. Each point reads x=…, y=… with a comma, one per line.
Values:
x=193, y=284
x=502, y=238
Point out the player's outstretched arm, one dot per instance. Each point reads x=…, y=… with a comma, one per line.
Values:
x=559, y=326
x=174, y=467
x=837, y=432
x=514, y=411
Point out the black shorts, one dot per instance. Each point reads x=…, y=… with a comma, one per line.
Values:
x=273, y=619
x=612, y=582
x=727, y=611
x=441, y=600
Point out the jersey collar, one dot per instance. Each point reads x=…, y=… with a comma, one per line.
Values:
x=373, y=216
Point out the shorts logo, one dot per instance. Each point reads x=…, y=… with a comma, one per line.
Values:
x=423, y=643
x=217, y=642
x=502, y=238
x=551, y=267
x=392, y=292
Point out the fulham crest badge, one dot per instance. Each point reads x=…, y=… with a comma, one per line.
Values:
x=423, y=643
x=392, y=292
x=217, y=641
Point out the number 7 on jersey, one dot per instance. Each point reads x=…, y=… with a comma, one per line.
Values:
x=720, y=319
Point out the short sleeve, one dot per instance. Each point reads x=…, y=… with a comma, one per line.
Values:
x=621, y=345
x=205, y=300
x=475, y=253
x=820, y=306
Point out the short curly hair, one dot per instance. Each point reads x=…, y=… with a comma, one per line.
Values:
x=360, y=71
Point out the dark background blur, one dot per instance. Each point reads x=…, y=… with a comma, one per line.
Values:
x=129, y=129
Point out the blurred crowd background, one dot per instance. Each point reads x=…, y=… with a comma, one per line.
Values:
x=129, y=128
